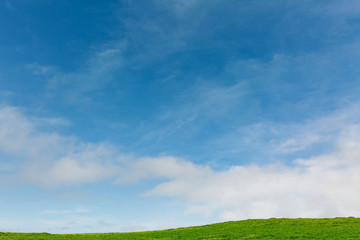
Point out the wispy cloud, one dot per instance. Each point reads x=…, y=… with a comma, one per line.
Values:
x=6, y=94
x=269, y=141
x=193, y=109
x=251, y=95
x=93, y=74
x=8, y=4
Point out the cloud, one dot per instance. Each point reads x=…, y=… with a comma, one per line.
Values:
x=9, y=5
x=319, y=186
x=6, y=94
x=49, y=158
x=41, y=70
x=68, y=171
x=251, y=95
x=94, y=73
x=18, y=135
x=323, y=185
x=200, y=104
x=183, y=9
x=302, y=136
x=161, y=167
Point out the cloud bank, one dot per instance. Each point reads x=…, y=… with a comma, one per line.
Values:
x=319, y=186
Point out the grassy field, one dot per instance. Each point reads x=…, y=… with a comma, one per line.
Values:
x=330, y=228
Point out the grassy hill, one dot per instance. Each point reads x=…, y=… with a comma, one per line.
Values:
x=327, y=228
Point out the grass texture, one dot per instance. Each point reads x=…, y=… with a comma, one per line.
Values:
x=301, y=228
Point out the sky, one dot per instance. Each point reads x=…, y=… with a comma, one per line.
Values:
x=122, y=115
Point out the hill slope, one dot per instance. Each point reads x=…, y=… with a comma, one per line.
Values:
x=329, y=228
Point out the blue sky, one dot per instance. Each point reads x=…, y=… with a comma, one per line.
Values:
x=141, y=115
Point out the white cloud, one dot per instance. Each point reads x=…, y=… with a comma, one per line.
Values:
x=19, y=136
x=162, y=167
x=301, y=136
x=49, y=158
x=321, y=186
x=68, y=171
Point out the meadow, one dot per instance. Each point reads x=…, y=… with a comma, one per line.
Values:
x=301, y=228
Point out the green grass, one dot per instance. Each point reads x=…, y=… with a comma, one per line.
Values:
x=302, y=228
